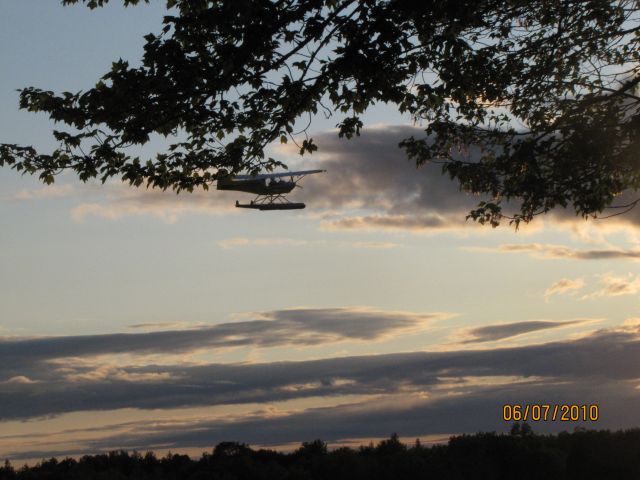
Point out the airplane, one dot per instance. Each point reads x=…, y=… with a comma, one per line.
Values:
x=271, y=191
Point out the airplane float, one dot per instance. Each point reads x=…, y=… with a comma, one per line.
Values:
x=271, y=189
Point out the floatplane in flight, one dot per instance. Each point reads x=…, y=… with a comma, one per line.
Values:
x=271, y=189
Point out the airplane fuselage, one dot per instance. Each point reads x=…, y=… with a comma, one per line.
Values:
x=257, y=186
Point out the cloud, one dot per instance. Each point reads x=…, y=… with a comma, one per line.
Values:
x=629, y=221
x=604, y=356
x=409, y=415
x=300, y=326
x=564, y=286
x=52, y=191
x=371, y=185
x=375, y=245
x=116, y=200
x=165, y=325
x=615, y=286
x=124, y=201
x=471, y=409
x=19, y=379
x=491, y=333
x=417, y=223
x=540, y=250
x=414, y=394
x=236, y=242
x=372, y=172
x=371, y=175
x=263, y=242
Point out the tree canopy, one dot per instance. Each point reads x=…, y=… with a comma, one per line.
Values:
x=583, y=455
x=544, y=93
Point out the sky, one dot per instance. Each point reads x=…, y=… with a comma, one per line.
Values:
x=137, y=319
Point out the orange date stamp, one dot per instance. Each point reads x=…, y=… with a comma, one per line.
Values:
x=538, y=412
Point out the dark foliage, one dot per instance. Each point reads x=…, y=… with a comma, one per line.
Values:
x=580, y=455
x=546, y=91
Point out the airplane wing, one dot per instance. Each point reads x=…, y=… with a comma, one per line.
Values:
x=300, y=173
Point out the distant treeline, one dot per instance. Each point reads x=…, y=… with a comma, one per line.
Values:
x=519, y=455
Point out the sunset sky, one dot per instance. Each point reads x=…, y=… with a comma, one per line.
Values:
x=132, y=318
